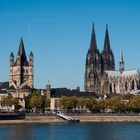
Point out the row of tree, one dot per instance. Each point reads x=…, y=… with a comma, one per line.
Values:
x=34, y=102
x=121, y=104
x=38, y=103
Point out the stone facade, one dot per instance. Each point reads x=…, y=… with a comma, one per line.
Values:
x=21, y=77
x=100, y=74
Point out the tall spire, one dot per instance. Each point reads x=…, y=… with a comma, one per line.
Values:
x=107, y=54
x=121, y=56
x=121, y=62
x=22, y=54
x=93, y=44
x=21, y=50
x=106, y=42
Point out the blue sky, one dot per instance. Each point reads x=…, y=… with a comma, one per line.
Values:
x=59, y=31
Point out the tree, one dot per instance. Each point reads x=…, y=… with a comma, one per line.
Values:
x=7, y=101
x=45, y=103
x=102, y=105
x=134, y=104
x=16, y=104
x=36, y=102
x=92, y=105
x=68, y=102
x=82, y=102
x=127, y=96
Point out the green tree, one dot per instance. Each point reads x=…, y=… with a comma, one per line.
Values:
x=68, y=102
x=16, y=104
x=7, y=101
x=92, y=105
x=102, y=105
x=127, y=96
x=82, y=102
x=46, y=103
x=134, y=104
x=36, y=102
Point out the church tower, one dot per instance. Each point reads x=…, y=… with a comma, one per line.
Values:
x=107, y=54
x=121, y=62
x=93, y=67
x=21, y=72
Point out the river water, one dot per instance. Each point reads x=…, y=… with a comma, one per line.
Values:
x=77, y=131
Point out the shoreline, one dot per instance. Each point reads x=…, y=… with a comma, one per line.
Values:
x=83, y=119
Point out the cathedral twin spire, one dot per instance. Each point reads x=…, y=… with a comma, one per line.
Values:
x=97, y=63
x=107, y=54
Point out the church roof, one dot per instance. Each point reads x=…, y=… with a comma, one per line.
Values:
x=58, y=92
x=22, y=54
x=126, y=73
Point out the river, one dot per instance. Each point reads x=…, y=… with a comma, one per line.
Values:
x=77, y=131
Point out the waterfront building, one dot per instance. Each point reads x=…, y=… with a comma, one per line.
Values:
x=55, y=94
x=100, y=74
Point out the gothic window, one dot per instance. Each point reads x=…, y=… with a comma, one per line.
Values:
x=114, y=87
x=126, y=86
x=110, y=88
x=132, y=85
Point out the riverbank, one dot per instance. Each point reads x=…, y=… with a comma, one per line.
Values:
x=56, y=119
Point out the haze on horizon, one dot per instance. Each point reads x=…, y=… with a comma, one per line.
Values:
x=59, y=35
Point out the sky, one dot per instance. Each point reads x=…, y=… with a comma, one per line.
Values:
x=59, y=31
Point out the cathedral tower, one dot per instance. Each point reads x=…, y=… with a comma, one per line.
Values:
x=107, y=54
x=93, y=68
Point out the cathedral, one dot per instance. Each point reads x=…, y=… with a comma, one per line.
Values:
x=100, y=74
x=21, y=77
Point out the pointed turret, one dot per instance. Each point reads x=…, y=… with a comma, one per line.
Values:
x=31, y=54
x=21, y=54
x=31, y=57
x=11, y=55
x=121, y=62
x=11, y=59
x=93, y=44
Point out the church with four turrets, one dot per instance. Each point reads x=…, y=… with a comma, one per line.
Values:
x=21, y=73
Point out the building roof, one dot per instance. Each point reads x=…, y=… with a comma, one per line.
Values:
x=126, y=73
x=22, y=54
x=26, y=87
x=4, y=85
x=11, y=88
x=58, y=92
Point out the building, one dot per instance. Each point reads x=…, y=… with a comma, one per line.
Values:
x=21, y=77
x=55, y=94
x=123, y=81
x=100, y=74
